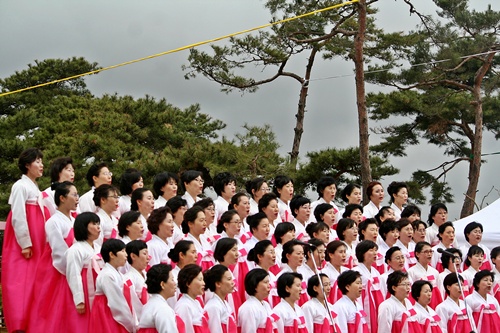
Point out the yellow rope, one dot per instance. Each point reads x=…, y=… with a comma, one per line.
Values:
x=181, y=48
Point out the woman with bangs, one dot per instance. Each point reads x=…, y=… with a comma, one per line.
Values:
x=291, y=316
x=375, y=193
x=161, y=226
x=453, y=311
x=61, y=170
x=446, y=238
x=327, y=189
x=421, y=291
x=221, y=317
x=326, y=213
x=165, y=187
x=283, y=189
x=395, y=260
x=184, y=253
x=398, y=192
x=268, y=205
x=451, y=261
x=106, y=201
x=143, y=202
x=406, y=243
x=473, y=262
x=283, y=233
x=264, y=257
x=485, y=308
x=130, y=181
x=194, y=226
x=256, y=187
x=473, y=233
x=335, y=260
x=347, y=231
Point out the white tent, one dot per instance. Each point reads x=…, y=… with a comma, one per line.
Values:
x=489, y=217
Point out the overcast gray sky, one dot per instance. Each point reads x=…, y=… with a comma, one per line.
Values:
x=113, y=31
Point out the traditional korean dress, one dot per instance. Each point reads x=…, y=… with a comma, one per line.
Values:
x=418, y=272
x=221, y=206
x=370, y=210
x=194, y=318
x=83, y=264
x=300, y=231
x=112, y=310
x=428, y=319
x=285, y=213
x=189, y=199
x=394, y=317
x=204, y=249
x=333, y=274
x=292, y=320
x=453, y=316
x=109, y=226
x=124, y=204
x=372, y=294
x=256, y=317
x=158, y=249
x=409, y=253
x=160, y=202
x=220, y=315
x=319, y=318
x=52, y=291
x=157, y=317
x=140, y=289
x=351, y=317
x=486, y=265
x=86, y=202
x=485, y=312
x=24, y=228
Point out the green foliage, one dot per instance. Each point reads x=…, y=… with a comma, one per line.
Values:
x=148, y=134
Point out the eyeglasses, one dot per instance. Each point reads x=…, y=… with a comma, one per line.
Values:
x=266, y=190
x=75, y=195
x=239, y=223
x=199, y=180
x=107, y=173
x=406, y=285
x=427, y=251
x=113, y=196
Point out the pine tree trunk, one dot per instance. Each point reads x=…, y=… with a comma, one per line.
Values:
x=364, y=156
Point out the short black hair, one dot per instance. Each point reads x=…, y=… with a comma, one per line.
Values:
x=253, y=278
x=314, y=282
x=221, y=180
x=495, y=252
x=473, y=250
x=394, y=188
x=381, y=212
x=175, y=203
x=332, y=247
x=161, y=180
x=266, y=199
x=443, y=227
x=480, y=275
x=156, y=275
x=282, y=229
x=111, y=245
x=286, y=280
x=58, y=166
x=394, y=279
x=28, y=156
x=416, y=288
x=403, y=222
x=94, y=171
x=136, y=196
x=471, y=226
x=254, y=185
x=156, y=218
x=190, y=216
x=204, y=203
x=323, y=183
x=351, y=208
x=297, y=202
x=80, y=226
x=126, y=220
x=62, y=189
x=214, y=275
x=390, y=252
x=129, y=178
x=254, y=220
x=134, y=247
x=363, y=247
x=102, y=192
x=410, y=210
x=226, y=217
x=434, y=210
x=447, y=258
x=288, y=249
x=181, y=246
x=348, y=190
x=320, y=210
x=343, y=225
x=315, y=227
x=363, y=225
x=316, y=243
x=386, y=227
x=235, y=199
x=186, y=275
x=450, y=280
x=190, y=175
x=223, y=246
x=279, y=182
x=346, y=279
x=420, y=246
x=258, y=250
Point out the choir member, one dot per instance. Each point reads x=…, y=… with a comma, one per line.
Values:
x=474, y=260
x=452, y=311
x=451, y=261
x=283, y=188
x=188, y=308
x=291, y=316
x=347, y=231
x=398, y=193
x=301, y=210
x=143, y=201
x=485, y=308
x=268, y=205
x=130, y=226
x=283, y=233
x=129, y=182
x=326, y=213
x=97, y=175
x=106, y=200
x=327, y=189
x=165, y=187
x=192, y=181
x=225, y=187
x=256, y=187
x=194, y=226
x=375, y=193
x=318, y=312
x=421, y=291
x=405, y=241
x=161, y=226
x=259, y=227
x=446, y=236
x=335, y=261
x=473, y=233
x=178, y=206
x=138, y=259
x=221, y=318
x=411, y=212
x=61, y=170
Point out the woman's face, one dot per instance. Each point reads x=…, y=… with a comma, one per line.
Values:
x=271, y=210
x=319, y=255
x=327, y=287
x=329, y=217
x=303, y=213
x=351, y=234
x=262, y=230
x=392, y=237
x=170, y=286
x=370, y=257
x=263, y=189
x=425, y=257
x=234, y=226
x=402, y=290
x=371, y=232
x=94, y=231
x=135, y=230
x=476, y=260
x=296, y=258
x=323, y=235
x=199, y=225
x=485, y=285
x=147, y=203
x=142, y=260
x=419, y=234
x=355, y=289
x=377, y=195
x=329, y=193
x=67, y=174
x=355, y=196
x=397, y=261
x=243, y=207
x=197, y=286
x=425, y=295
x=440, y=217
x=388, y=214
x=356, y=216
x=110, y=203
x=455, y=292
x=166, y=228
x=195, y=187
x=138, y=184
x=169, y=189
x=227, y=283
x=209, y=214
x=71, y=199
x=475, y=236
x=448, y=236
x=120, y=258
x=338, y=258
x=413, y=217
x=190, y=256
x=231, y=256
x=295, y=289
x=406, y=234
x=401, y=197
x=288, y=236
x=105, y=177
x=268, y=259
x=286, y=192
x=229, y=190
x=35, y=169
x=263, y=288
